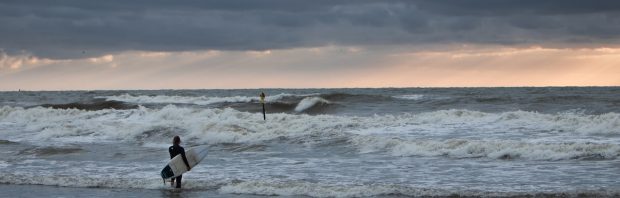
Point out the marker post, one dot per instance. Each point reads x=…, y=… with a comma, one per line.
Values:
x=262, y=101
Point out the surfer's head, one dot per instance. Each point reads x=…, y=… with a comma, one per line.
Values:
x=176, y=140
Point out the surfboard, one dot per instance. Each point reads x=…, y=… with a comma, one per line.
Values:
x=176, y=166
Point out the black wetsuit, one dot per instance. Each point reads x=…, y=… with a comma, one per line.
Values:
x=174, y=150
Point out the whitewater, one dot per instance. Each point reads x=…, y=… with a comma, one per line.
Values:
x=411, y=142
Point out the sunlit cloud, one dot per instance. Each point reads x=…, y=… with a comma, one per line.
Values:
x=22, y=61
x=154, y=54
x=103, y=59
x=329, y=66
x=259, y=54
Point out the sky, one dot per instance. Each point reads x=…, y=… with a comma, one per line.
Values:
x=223, y=44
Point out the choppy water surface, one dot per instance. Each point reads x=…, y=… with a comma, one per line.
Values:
x=322, y=142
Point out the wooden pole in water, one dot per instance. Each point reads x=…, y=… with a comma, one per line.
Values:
x=262, y=101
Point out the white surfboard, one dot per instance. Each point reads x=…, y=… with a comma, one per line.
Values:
x=176, y=166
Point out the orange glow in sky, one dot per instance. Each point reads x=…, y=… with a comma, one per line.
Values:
x=323, y=67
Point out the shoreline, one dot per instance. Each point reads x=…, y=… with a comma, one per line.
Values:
x=30, y=190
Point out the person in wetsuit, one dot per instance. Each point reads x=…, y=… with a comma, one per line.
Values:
x=175, y=150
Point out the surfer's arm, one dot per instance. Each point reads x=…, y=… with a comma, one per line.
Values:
x=185, y=159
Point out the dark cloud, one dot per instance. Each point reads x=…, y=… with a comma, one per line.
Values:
x=518, y=7
x=78, y=28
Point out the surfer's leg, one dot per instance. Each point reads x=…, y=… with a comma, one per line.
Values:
x=178, y=180
x=172, y=182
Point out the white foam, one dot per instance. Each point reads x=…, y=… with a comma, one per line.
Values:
x=497, y=149
x=268, y=187
x=4, y=164
x=139, y=174
x=143, y=175
x=298, y=188
x=156, y=145
x=309, y=102
x=410, y=97
x=276, y=188
x=549, y=136
x=81, y=181
x=69, y=173
x=198, y=100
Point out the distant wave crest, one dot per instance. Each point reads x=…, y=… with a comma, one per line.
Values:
x=410, y=97
x=198, y=100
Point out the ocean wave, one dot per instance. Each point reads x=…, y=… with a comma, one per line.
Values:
x=496, y=149
x=7, y=142
x=280, y=103
x=46, y=151
x=383, y=133
x=92, y=106
x=410, y=97
x=269, y=187
x=97, y=174
x=309, y=102
x=198, y=100
x=567, y=122
x=288, y=188
x=308, y=105
x=344, y=97
x=275, y=188
x=100, y=180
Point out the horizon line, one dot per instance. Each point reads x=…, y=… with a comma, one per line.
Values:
x=301, y=88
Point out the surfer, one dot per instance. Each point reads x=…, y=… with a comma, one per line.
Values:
x=174, y=150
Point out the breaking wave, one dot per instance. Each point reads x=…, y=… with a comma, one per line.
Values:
x=422, y=134
x=198, y=100
x=285, y=103
x=310, y=102
x=496, y=149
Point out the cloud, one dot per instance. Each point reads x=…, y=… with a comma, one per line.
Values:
x=104, y=59
x=13, y=63
x=76, y=28
x=330, y=66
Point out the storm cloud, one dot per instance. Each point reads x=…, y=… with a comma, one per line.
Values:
x=77, y=28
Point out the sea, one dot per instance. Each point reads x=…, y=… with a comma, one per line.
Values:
x=380, y=142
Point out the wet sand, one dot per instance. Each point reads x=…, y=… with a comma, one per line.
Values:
x=8, y=190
